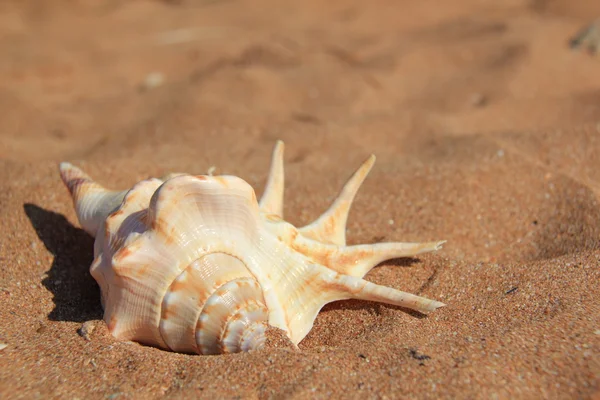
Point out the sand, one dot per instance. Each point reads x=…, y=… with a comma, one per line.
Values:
x=486, y=125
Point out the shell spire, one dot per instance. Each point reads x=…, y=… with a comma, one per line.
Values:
x=93, y=203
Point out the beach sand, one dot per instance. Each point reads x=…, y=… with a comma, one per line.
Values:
x=486, y=128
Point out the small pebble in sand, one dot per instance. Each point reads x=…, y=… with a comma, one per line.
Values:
x=153, y=80
x=478, y=100
x=86, y=330
x=92, y=362
x=588, y=38
x=3, y=346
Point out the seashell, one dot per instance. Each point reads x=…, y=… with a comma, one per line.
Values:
x=195, y=264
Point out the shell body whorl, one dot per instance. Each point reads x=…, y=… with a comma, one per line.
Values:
x=196, y=264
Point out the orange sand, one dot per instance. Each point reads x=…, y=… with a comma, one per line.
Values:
x=486, y=128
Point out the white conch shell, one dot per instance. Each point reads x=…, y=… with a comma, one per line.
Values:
x=194, y=264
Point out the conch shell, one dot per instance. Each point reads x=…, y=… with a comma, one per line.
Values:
x=195, y=264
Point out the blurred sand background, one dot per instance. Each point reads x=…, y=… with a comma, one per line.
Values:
x=486, y=125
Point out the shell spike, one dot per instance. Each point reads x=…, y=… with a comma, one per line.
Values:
x=360, y=289
x=322, y=285
x=93, y=203
x=331, y=226
x=271, y=201
x=360, y=259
